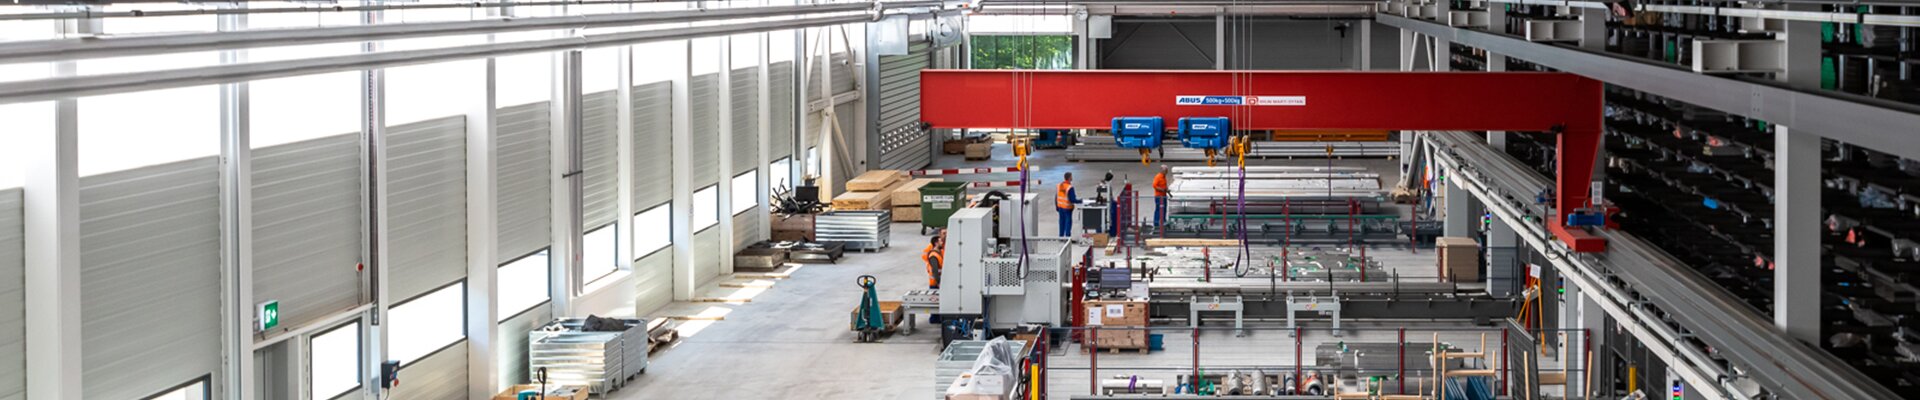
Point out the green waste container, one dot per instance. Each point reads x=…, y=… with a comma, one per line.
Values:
x=938, y=201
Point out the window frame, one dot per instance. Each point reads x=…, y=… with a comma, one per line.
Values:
x=639, y=254
x=545, y=289
x=699, y=225
x=463, y=318
x=784, y=168
x=359, y=361
x=615, y=259
x=753, y=180
x=205, y=382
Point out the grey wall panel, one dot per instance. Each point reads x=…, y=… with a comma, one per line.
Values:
x=652, y=145
x=598, y=163
x=654, y=276
x=1297, y=45
x=512, y=340
x=704, y=92
x=747, y=230
x=427, y=204
x=842, y=75
x=1385, y=47
x=13, y=300
x=1169, y=44
x=781, y=78
x=1267, y=45
x=149, y=278
x=903, y=144
x=523, y=179
x=706, y=247
x=439, y=376
x=306, y=227
x=746, y=120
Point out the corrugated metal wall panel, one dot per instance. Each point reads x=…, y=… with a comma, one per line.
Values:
x=781, y=77
x=427, y=204
x=523, y=195
x=306, y=227
x=652, y=145
x=842, y=75
x=746, y=120
x=747, y=230
x=654, y=274
x=13, y=297
x=149, y=278
x=512, y=339
x=706, y=247
x=439, y=376
x=903, y=144
x=704, y=92
x=599, y=163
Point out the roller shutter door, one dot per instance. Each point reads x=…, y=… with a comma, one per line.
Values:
x=438, y=376
x=307, y=227
x=427, y=204
x=13, y=300
x=781, y=77
x=704, y=92
x=150, y=263
x=903, y=144
x=652, y=145
x=524, y=179
x=600, y=169
x=746, y=120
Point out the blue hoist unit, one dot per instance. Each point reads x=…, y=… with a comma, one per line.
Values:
x=1207, y=133
x=1139, y=133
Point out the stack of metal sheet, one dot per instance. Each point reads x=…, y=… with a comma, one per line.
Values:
x=858, y=230
x=1275, y=190
x=1098, y=150
x=602, y=361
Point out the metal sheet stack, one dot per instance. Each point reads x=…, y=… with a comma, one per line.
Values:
x=1275, y=189
x=1104, y=150
x=601, y=361
x=857, y=230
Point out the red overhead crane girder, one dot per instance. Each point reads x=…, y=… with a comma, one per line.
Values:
x=1566, y=104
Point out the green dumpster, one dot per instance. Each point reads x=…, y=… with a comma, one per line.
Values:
x=938, y=201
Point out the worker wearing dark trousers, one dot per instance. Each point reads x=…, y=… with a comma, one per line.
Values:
x=1063, y=202
x=934, y=256
x=1160, y=197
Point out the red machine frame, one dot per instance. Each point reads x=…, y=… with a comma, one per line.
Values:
x=1566, y=104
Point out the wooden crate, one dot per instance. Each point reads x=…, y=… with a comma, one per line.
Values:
x=909, y=193
x=876, y=180
x=955, y=146
x=979, y=151
x=792, y=227
x=906, y=213
x=863, y=201
x=1116, y=313
x=1459, y=258
x=1121, y=339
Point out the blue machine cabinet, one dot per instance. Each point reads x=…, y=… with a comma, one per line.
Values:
x=1208, y=133
x=1141, y=133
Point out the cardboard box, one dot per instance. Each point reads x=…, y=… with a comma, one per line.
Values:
x=909, y=193
x=906, y=213
x=863, y=201
x=577, y=392
x=876, y=180
x=1116, y=313
x=955, y=146
x=979, y=151
x=1459, y=258
x=1121, y=339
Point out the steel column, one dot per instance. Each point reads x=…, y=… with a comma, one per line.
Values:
x=684, y=283
x=724, y=188
x=1796, y=233
x=236, y=379
x=568, y=185
x=373, y=163
x=52, y=244
x=483, y=303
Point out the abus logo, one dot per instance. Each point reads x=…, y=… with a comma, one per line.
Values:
x=1134, y=125
x=1202, y=126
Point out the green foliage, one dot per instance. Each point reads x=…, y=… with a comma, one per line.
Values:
x=1022, y=52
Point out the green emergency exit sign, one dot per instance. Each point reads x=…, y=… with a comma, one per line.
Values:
x=269, y=315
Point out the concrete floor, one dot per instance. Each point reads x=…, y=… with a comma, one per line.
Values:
x=791, y=339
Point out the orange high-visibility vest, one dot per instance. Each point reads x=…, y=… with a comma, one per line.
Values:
x=1160, y=185
x=1061, y=200
x=933, y=258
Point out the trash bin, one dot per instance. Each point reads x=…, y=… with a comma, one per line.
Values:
x=938, y=201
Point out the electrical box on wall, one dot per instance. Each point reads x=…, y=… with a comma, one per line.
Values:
x=389, y=374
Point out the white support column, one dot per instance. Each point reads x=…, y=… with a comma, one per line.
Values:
x=52, y=219
x=1460, y=217
x=374, y=187
x=1593, y=28
x=1408, y=49
x=236, y=380
x=1796, y=233
x=1496, y=17
x=483, y=303
x=1364, y=45
x=1220, y=39
x=623, y=160
x=1572, y=319
x=765, y=110
x=725, y=192
x=683, y=274
x=566, y=189
x=1440, y=56
x=797, y=167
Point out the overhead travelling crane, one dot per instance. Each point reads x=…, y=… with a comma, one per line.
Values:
x=1566, y=105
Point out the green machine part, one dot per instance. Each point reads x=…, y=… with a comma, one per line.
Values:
x=868, y=317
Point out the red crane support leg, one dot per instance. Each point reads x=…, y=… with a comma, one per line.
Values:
x=1579, y=150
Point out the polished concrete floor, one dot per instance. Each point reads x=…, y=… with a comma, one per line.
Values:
x=791, y=339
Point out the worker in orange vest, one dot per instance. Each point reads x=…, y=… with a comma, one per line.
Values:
x=1160, y=197
x=1063, y=201
x=934, y=256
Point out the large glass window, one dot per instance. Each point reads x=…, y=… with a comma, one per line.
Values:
x=523, y=79
x=652, y=230
x=745, y=195
x=423, y=92
x=813, y=161
x=1022, y=52
x=196, y=390
x=780, y=174
x=598, y=253
x=706, y=207
x=523, y=284
x=335, y=361
x=423, y=325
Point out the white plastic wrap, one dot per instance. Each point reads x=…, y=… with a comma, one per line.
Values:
x=992, y=375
